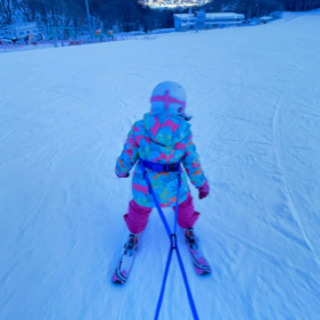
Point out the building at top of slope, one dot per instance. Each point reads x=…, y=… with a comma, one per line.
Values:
x=202, y=20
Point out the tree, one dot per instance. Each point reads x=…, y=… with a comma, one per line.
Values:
x=7, y=10
x=301, y=5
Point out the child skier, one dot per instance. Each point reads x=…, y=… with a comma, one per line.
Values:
x=159, y=143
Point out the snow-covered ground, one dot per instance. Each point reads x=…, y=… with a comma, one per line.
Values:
x=64, y=115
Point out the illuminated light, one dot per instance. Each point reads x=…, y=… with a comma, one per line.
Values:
x=154, y=4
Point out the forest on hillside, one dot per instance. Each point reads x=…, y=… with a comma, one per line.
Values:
x=128, y=15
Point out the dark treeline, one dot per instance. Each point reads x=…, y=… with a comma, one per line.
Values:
x=127, y=15
x=258, y=8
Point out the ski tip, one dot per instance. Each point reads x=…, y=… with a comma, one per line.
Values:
x=203, y=272
x=116, y=280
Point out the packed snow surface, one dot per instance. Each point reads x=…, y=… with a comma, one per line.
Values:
x=64, y=116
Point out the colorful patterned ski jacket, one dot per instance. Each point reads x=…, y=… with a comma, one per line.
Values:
x=162, y=138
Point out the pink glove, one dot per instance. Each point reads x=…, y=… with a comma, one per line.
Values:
x=204, y=190
x=124, y=175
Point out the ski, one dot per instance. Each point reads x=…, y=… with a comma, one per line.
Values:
x=200, y=263
x=122, y=272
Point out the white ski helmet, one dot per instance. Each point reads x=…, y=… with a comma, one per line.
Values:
x=169, y=96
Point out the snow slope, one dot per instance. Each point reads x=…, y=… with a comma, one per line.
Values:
x=64, y=115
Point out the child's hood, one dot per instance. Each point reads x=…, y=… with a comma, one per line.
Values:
x=165, y=128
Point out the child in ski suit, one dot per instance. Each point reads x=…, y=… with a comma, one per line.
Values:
x=162, y=136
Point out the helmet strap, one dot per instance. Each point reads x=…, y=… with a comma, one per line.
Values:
x=167, y=99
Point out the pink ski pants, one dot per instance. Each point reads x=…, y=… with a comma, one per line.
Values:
x=137, y=217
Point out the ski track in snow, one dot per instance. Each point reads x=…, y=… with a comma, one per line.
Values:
x=278, y=146
x=64, y=116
